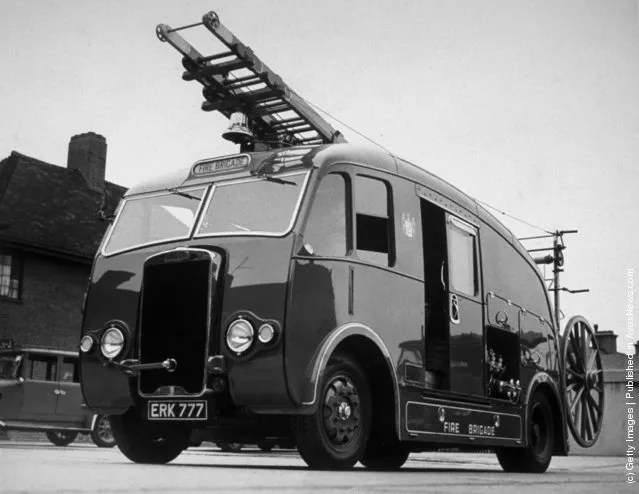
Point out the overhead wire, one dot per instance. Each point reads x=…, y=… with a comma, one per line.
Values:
x=514, y=217
x=346, y=125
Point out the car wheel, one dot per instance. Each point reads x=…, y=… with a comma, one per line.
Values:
x=102, y=435
x=61, y=438
x=144, y=442
x=334, y=437
x=230, y=447
x=536, y=456
x=265, y=446
x=379, y=456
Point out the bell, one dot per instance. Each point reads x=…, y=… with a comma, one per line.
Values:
x=238, y=131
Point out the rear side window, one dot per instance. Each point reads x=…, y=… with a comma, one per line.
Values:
x=69, y=370
x=463, y=264
x=327, y=223
x=373, y=236
x=43, y=367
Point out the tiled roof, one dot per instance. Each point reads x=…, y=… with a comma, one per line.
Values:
x=51, y=208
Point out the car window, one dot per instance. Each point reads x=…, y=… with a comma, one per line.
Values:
x=69, y=370
x=327, y=224
x=43, y=367
x=373, y=235
x=9, y=366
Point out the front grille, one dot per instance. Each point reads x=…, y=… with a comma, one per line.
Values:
x=174, y=321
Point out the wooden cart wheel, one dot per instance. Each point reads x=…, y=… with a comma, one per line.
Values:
x=584, y=385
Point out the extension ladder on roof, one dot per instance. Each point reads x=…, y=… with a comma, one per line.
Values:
x=236, y=80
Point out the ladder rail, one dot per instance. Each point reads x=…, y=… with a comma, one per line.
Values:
x=269, y=107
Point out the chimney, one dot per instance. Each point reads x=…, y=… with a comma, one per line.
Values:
x=607, y=340
x=87, y=154
x=637, y=349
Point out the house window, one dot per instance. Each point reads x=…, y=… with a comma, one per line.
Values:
x=10, y=277
x=374, y=242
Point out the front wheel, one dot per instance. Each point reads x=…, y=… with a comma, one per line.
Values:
x=102, y=435
x=145, y=442
x=334, y=437
x=536, y=456
x=379, y=456
x=61, y=438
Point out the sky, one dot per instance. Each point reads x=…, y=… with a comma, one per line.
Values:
x=529, y=106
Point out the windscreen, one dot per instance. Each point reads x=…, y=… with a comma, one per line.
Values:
x=155, y=218
x=257, y=206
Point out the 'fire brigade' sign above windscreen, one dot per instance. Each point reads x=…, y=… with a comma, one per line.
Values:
x=230, y=164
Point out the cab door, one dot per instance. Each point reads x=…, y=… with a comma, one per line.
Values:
x=69, y=404
x=40, y=387
x=465, y=310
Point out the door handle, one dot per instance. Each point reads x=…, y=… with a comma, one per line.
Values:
x=442, y=276
x=454, y=309
x=56, y=391
x=62, y=392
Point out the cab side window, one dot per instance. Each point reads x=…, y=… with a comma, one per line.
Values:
x=373, y=238
x=326, y=227
x=69, y=370
x=463, y=258
x=43, y=367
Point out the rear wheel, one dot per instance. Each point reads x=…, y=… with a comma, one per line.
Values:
x=144, y=442
x=334, y=437
x=102, y=435
x=536, y=456
x=61, y=438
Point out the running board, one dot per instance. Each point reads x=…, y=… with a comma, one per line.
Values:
x=16, y=425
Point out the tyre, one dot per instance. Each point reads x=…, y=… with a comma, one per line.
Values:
x=230, y=447
x=265, y=446
x=334, y=437
x=146, y=442
x=379, y=456
x=61, y=438
x=102, y=435
x=536, y=456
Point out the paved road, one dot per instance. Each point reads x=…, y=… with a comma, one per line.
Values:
x=43, y=468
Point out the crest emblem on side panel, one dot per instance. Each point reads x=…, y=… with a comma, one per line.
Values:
x=408, y=225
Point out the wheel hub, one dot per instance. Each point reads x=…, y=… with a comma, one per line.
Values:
x=341, y=412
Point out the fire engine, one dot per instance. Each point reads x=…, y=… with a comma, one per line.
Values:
x=310, y=291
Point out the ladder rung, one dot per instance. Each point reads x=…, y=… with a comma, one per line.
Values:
x=299, y=130
x=295, y=128
x=311, y=141
x=235, y=86
x=221, y=68
x=241, y=82
x=271, y=109
x=288, y=122
x=217, y=56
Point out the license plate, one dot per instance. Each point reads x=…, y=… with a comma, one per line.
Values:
x=177, y=410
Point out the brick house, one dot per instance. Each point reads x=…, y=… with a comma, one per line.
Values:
x=49, y=234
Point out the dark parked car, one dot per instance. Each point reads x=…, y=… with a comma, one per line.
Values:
x=40, y=391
